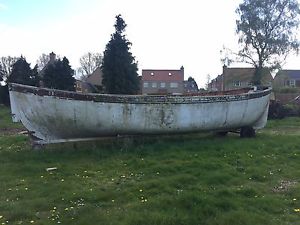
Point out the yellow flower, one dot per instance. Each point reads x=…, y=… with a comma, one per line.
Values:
x=297, y=210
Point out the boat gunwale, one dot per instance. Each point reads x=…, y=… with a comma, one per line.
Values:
x=226, y=96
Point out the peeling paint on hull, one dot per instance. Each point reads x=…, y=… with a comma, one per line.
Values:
x=52, y=115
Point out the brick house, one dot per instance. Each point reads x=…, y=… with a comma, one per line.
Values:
x=91, y=83
x=287, y=86
x=287, y=79
x=234, y=78
x=162, y=81
x=95, y=78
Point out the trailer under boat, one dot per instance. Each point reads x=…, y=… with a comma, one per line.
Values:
x=53, y=116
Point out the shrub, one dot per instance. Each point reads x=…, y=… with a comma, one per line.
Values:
x=4, y=95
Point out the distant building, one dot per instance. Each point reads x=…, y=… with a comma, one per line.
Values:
x=190, y=86
x=286, y=86
x=85, y=87
x=162, y=81
x=91, y=83
x=287, y=79
x=234, y=78
x=95, y=78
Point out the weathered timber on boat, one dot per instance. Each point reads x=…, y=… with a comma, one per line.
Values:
x=53, y=115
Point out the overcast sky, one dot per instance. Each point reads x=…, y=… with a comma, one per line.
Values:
x=165, y=34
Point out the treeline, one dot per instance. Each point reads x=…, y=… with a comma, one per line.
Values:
x=118, y=66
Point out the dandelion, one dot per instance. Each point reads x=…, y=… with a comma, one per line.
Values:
x=42, y=176
x=62, y=180
x=26, y=189
x=297, y=210
x=112, y=200
x=32, y=221
x=141, y=190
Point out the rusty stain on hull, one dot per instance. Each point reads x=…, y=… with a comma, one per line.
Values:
x=53, y=115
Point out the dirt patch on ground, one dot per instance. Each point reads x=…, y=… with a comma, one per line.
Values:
x=284, y=186
x=12, y=131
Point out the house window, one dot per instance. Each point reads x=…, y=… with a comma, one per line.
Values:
x=237, y=83
x=173, y=85
x=146, y=84
x=152, y=74
x=154, y=85
x=162, y=84
x=292, y=83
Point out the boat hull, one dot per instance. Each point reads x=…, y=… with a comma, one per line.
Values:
x=57, y=115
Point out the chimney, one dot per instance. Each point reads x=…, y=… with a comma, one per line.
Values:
x=182, y=71
x=52, y=57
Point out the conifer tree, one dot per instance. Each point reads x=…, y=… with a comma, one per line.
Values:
x=22, y=73
x=59, y=75
x=119, y=67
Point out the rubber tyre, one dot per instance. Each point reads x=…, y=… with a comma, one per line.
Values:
x=247, y=132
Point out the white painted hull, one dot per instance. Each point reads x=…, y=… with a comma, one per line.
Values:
x=50, y=116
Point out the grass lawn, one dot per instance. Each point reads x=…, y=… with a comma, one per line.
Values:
x=183, y=179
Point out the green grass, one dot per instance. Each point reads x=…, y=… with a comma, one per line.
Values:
x=5, y=119
x=182, y=179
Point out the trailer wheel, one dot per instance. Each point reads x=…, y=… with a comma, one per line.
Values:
x=247, y=132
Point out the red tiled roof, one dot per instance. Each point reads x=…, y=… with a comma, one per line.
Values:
x=162, y=75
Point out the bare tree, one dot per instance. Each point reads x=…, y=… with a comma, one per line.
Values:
x=42, y=61
x=89, y=63
x=208, y=79
x=6, y=65
x=226, y=56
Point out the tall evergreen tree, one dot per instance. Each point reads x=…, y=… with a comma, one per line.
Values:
x=119, y=67
x=22, y=73
x=59, y=75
